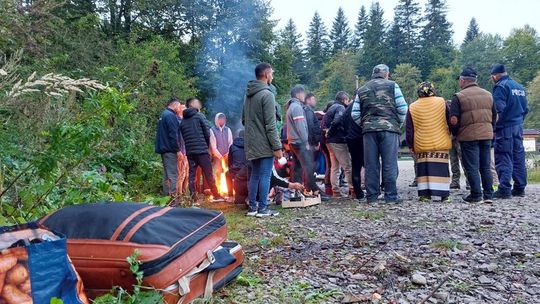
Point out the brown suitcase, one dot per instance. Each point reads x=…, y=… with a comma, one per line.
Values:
x=179, y=248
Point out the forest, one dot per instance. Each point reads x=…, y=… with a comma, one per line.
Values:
x=82, y=82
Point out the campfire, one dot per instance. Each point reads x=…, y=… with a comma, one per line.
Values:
x=222, y=182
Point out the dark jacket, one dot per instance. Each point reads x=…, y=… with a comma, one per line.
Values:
x=353, y=130
x=333, y=122
x=167, y=135
x=314, y=126
x=195, y=132
x=259, y=119
x=237, y=156
x=510, y=100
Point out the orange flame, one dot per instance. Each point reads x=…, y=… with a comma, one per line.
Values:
x=222, y=183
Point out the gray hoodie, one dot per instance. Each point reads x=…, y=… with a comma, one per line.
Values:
x=297, y=128
x=259, y=120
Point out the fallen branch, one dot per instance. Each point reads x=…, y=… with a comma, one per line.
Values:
x=435, y=289
x=377, y=252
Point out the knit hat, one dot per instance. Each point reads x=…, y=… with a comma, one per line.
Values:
x=468, y=72
x=498, y=69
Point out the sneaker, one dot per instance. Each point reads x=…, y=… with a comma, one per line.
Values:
x=362, y=200
x=266, y=213
x=413, y=184
x=470, y=199
x=252, y=213
x=518, y=193
x=324, y=197
x=396, y=201
x=501, y=195
x=218, y=199
x=424, y=199
x=455, y=186
x=446, y=200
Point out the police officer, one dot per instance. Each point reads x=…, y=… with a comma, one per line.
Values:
x=511, y=102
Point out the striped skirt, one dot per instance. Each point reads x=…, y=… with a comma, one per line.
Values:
x=433, y=174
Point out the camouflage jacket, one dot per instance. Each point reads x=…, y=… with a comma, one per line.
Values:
x=379, y=108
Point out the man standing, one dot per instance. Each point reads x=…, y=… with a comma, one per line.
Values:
x=221, y=140
x=381, y=111
x=298, y=139
x=314, y=126
x=472, y=117
x=337, y=144
x=262, y=141
x=197, y=138
x=168, y=145
x=355, y=144
x=512, y=107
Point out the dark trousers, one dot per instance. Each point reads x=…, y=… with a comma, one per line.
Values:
x=356, y=149
x=476, y=157
x=205, y=163
x=510, y=159
x=382, y=146
x=170, y=172
x=302, y=167
x=327, y=165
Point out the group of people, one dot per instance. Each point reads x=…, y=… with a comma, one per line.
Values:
x=359, y=138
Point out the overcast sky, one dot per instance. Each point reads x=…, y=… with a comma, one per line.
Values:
x=493, y=16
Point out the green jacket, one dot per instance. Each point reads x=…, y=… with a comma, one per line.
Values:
x=259, y=119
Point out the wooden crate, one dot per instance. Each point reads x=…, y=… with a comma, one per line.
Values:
x=302, y=203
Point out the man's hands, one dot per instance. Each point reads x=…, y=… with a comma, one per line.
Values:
x=278, y=154
x=296, y=186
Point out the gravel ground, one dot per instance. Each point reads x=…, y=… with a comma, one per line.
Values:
x=343, y=252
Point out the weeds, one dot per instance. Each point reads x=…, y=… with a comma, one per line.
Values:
x=448, y=244
x=369, y=215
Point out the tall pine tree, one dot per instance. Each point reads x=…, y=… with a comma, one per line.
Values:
x=373, y=51
x=340, y=33
x=403, y=35
x=360, y=28
x=292, y=40
x=317, y=48
x=436, y=35
x=473, y=31
x=289, y=59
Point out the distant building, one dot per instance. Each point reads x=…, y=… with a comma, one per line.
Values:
x=530, y=140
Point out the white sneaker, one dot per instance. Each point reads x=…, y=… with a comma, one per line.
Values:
x=252, y=213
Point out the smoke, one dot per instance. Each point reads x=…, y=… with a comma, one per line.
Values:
x=225, y=62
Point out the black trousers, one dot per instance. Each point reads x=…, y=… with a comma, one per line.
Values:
x=203, y=161
x=302, y=168
x=356, y=149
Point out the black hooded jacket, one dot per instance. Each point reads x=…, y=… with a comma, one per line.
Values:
x=237, y=156
x=195, y=132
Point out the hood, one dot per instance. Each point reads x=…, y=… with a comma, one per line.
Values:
x=190, y=112
x=239, y=142
x=215, y=120
x=254, y=87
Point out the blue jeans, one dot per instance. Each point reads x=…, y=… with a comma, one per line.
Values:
x=259, y=182
x=476, y=158
x=510, y=159
x=383, y=145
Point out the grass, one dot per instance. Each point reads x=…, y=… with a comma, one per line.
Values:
x=448, y=244
x=460, y=286
x=533, y=175
x=369, y=215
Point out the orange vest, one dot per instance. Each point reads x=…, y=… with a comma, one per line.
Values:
x=431, y=131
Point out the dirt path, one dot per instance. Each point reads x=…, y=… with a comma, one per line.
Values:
x=346, y=252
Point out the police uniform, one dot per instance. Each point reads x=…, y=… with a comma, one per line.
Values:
x=512, y=107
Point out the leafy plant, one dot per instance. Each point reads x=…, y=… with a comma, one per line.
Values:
x=139, y=295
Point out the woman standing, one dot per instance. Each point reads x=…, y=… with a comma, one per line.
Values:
x=428, y=137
